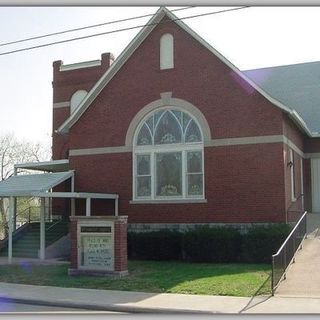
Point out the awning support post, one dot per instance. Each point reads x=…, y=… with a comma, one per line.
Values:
x=88, y=207
x=15, y=172
x=42, y=230
x=11, y=212
x=14, y=215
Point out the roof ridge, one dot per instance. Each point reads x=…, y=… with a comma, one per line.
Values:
x=282, y=66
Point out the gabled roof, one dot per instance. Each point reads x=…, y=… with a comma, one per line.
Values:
x=134, y=44
x=297, y=86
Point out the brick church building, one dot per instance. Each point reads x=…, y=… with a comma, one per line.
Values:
x=182, y=136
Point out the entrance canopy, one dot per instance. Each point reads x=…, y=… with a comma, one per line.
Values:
x=40, y=185
x=29, y=184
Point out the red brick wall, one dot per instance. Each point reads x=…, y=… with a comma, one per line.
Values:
x=65, y=84
x=60, y=143
x=231, y=109
x=74, y=244
x=312, y=145
x=242, y=184
x=120, y=246
x=249, y=183
x=291, y=131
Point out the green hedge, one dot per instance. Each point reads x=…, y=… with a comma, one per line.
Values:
x=260, y=243
x=160, y=245
x=209, y=244
x=205, y=244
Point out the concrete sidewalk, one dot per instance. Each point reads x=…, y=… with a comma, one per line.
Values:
x=139, y=302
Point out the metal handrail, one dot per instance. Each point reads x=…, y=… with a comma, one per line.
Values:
x=54, y=224
x=284, y=248
x=290, y=234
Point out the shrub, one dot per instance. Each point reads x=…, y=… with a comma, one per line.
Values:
x=261, y=242
x=209, y=244
x=157, y=245
x=205, y=244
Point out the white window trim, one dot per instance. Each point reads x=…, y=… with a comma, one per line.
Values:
x=166, y=51
x=292, y=176
x=176, y=147
x=184, y=176
x=76, y=99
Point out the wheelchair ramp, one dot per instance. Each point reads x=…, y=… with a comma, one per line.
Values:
x=303, y=276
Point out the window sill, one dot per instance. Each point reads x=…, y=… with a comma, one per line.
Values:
x=168, y=201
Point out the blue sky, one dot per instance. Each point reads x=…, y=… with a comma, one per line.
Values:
x=249, y=38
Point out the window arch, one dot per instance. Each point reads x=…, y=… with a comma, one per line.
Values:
x=168, y=157
x=166, y=52
x=76, y=99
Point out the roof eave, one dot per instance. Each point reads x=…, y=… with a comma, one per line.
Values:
x=294, y=115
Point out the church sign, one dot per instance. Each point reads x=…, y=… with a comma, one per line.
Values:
x=100, y=244
x=96, y=248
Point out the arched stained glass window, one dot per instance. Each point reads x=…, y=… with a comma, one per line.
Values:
x=168, y=129
x=168, y=160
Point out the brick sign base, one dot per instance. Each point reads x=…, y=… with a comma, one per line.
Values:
x=98, y=245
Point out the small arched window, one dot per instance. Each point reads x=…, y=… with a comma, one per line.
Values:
x=166, y=52
x=76, y=99
x=168, y=157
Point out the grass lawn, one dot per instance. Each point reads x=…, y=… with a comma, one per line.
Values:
x=153, y=276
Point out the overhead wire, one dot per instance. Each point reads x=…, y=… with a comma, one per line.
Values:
x=86, y=27
x=118, y=30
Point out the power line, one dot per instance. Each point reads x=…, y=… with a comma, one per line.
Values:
x=118, y=30
x=86, y=27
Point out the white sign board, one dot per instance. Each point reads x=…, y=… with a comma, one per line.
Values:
x=97, y=251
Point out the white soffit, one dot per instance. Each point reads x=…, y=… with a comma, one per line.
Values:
x=26, y=185
x=134, y=44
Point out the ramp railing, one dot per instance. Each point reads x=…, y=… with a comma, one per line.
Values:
x=286, y=254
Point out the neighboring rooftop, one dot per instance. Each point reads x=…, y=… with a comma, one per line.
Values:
x=296, y=86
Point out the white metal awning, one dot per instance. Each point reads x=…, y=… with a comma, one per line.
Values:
x=29, y=184
x=50, y=166
x=38, y=185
